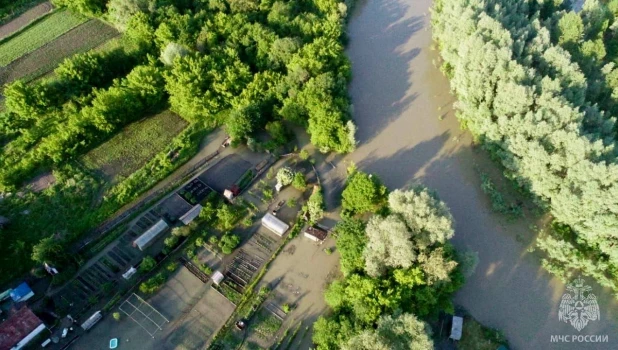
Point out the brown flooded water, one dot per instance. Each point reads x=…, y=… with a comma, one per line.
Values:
x=408, y=133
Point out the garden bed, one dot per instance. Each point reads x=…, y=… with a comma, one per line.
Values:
x=38, y=35
x=41, y=61
x=134, y=146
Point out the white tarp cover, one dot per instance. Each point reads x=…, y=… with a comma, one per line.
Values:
x=92, y=320
x=272, y=223
x=191, y=214
x=130, y=272
x=150, y=234
x=456, y=328
x=217, y=277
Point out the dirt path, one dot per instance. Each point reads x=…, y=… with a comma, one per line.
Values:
x=408, y=133
x=23, y=20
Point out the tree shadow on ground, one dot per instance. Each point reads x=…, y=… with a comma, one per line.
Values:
x=371, y=51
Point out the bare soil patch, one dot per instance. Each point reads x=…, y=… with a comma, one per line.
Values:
x=25, y=19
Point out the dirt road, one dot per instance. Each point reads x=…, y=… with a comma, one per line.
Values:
x=408, y=133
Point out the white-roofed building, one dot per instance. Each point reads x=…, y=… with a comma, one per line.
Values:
x=272, y=223
x=153, y=232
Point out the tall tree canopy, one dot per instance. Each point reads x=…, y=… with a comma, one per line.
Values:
x=395, y=263
x=537, y=86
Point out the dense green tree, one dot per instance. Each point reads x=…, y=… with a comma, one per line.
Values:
x=50, y=250
x=351, y=240
x=228, y=242
x=363, y=192
x=315, y=205
x=394, y=333
x=511, y=78
x=299, y=181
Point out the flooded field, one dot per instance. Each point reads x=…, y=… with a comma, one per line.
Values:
x=408, y=133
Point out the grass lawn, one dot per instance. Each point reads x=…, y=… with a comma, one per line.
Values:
x=136, y=144
x=477, y=337
x=40, y=34
x=41, y=61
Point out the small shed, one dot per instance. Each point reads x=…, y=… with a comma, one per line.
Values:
x=272, y=223
x=232, y=192
x=191, y=214
x=147, y=237
x=19, y=329
x=456, y=328
x=22, y=293
x=217, y=277
x=316, y=234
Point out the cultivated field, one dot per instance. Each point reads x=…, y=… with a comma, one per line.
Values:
x=130, y=149
x=28, y=17
x=41, y=61
x=38, y=35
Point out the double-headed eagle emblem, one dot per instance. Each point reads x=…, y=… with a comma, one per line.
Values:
x=580, y=307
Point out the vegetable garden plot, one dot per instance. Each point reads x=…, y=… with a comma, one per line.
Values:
x=194, y=192
x=46, y=58
x=134, y=145
x=38, y=35
x=25, y=19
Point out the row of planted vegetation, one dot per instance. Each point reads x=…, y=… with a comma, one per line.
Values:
x=537, y=86
x=245, y=65
x=398, y=268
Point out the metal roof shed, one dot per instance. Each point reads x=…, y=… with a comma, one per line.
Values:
x=191, y=214
x=275, y=225
x=456, y=328
x=19, y=329
x=155, y=230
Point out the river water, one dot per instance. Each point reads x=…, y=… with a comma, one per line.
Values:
x=408, y=133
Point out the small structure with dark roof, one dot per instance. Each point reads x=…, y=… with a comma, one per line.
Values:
x=316, y=234
x=19, y=329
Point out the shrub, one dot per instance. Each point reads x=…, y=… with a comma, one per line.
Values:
x=152, y=284
x=299, y=181
x=171, y=241
x=213, y=240
x=148, y=263
x=303, y=154
x=171, y=267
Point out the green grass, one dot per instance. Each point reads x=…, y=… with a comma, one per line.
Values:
x=477, y=337
x=266, y=325
x=38, y=35
x=135, y=145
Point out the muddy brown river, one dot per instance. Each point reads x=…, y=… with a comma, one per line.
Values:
x=408, y=133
